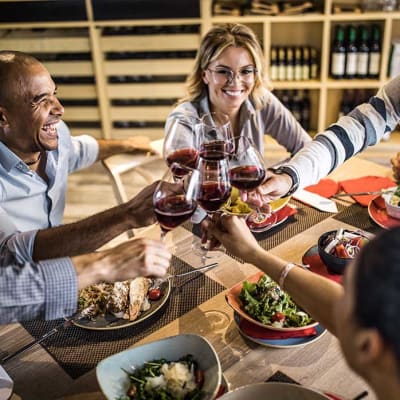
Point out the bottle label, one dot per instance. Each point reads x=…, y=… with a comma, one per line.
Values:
x=362, y=64
x=374, y=63
x=298, y=72
x=351, y=64
x=306, y=72
x=289, y=73
x=282, y=72
x=274, y=72
x=338, y=63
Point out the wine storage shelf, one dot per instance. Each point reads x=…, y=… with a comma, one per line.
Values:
x=119, y=74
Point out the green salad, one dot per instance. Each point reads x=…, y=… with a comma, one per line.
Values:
x=166, y=380
x=266, y=302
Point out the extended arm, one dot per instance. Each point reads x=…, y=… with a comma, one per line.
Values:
x=315, y=294
x=49, y=289
x=137, y=144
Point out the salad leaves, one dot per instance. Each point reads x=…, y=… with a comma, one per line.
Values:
x=153, y=371
x=266, y=302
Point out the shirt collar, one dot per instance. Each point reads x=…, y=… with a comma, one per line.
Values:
x=8, y=159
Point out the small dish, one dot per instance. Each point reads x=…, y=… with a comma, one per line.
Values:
x=378, y=213
x=274, y=390
x=392, y=209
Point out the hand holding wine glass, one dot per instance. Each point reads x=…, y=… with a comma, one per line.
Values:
x=174, y=200
x=247, y=172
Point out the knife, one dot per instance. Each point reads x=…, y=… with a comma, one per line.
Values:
x=315, y=200
x=388, y=190
x=59, y=328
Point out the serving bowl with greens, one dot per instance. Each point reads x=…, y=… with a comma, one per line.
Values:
x=262, y=302
x=178, y=367
x=392, y=202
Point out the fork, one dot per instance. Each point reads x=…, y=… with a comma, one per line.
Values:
x=157, y=282
x=85, y=313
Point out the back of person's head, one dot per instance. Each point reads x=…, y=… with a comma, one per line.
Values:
x=11, y=65
x=377, y=288
x=216, y=40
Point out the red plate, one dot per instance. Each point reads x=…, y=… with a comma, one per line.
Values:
x=232, y=298
x=377, y=211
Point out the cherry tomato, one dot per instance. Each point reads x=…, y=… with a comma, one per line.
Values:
x=278, y=316
x=199, y=378
x=341, y=251
x=154, y=294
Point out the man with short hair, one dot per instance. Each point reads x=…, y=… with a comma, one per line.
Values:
x=37, y=153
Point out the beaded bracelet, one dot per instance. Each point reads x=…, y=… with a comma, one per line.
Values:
x=287, y=269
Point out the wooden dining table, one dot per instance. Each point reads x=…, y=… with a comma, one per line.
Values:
x=39, y=373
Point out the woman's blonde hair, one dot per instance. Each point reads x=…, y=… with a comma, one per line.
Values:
x=216, y=40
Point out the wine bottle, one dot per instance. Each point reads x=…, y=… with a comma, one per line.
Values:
x=351, y=53
x=289, y=64
x=374, y=53
x=298, y=72
x=295, y=105
x=363, y=53
x=306, y=64
x=338, y=54
x=313, y=63
x=274, y=64
x=282, y=64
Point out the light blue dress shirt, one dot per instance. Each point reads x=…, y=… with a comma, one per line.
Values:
x=27, y=202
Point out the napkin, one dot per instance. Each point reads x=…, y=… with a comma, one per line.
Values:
x=256, y=331
x=285, y=212
x=366, y=184
x=325, y=188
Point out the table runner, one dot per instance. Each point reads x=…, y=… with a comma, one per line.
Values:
x=358, y=216
x=97, y=345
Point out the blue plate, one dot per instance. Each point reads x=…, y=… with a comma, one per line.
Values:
x=282, y=343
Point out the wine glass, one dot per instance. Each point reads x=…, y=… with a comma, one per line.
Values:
x=215, y=136
x=181, y=142
x=214, y=189
x=175, y=201
x=247, y=172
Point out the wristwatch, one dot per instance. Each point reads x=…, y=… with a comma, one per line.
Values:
x=293, y=175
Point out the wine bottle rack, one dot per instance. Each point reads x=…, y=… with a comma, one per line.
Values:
x=121, y=65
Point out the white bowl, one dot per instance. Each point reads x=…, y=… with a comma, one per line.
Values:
x=393, y=211
x=114, y=382
x=275, y=391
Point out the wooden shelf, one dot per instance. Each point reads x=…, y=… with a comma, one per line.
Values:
x=106, y=63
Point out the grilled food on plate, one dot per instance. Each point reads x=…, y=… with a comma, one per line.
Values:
x=125, y=299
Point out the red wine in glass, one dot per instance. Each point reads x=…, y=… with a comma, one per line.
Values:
x=212, y=195
x=215, y=150
x=186, y=156
x=173, y=210
x=247, y=177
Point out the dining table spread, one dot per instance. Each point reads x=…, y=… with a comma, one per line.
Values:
x=64, y=365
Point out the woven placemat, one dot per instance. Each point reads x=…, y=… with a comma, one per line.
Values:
x=305, y=218
x=187, y=293
x=358, y=216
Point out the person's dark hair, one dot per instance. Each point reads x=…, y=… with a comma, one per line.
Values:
x=377, y=288
x=11, y=63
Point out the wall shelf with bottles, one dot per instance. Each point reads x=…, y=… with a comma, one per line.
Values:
x=120, y=67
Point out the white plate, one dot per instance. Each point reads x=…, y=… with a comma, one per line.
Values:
x=274, y=391
x=6, y=384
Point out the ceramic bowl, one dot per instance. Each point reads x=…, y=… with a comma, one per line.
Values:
x=114, y=382
x=333, y=263
x=275, y=391
x=391, y=209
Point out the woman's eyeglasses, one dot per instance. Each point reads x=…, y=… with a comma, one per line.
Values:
x=226, y=75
